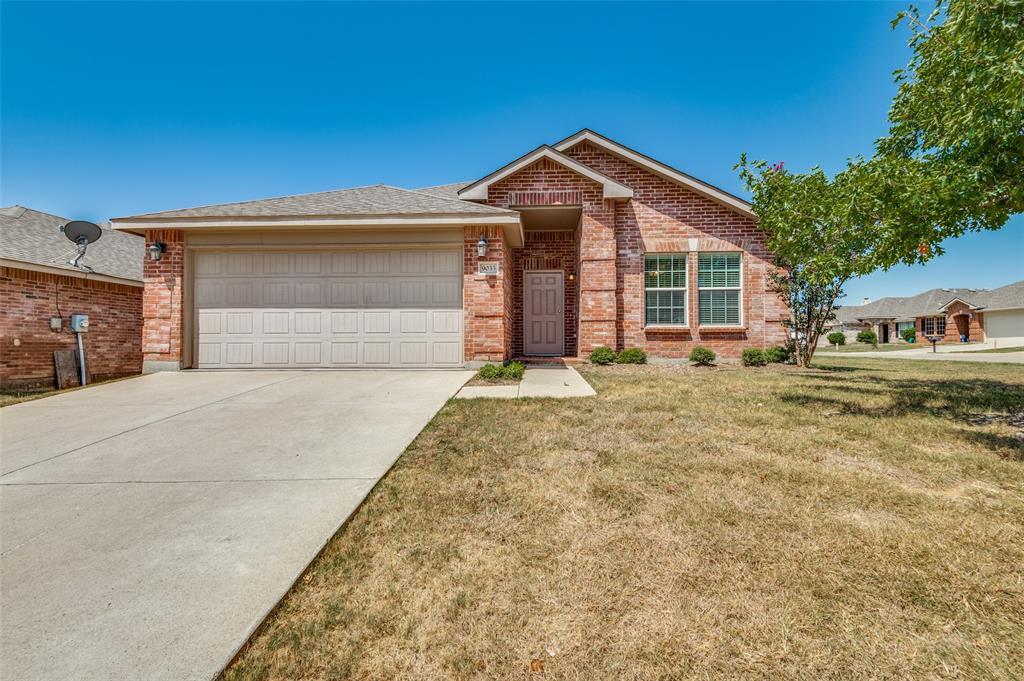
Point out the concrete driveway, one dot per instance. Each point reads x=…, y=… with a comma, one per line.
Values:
x=147, y=526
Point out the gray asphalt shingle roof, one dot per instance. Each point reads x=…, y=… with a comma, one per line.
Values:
x=905, y=309
x=1009, y=296
x=32, y=236
x=446, y=191
x=378, y=199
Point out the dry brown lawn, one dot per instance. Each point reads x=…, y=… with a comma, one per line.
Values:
x=864, y=520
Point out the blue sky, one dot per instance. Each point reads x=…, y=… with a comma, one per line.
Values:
x=115, y=109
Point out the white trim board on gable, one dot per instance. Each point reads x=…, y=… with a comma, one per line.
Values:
x=656, y=167
x=478, y=191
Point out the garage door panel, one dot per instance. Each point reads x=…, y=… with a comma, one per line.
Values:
x=346, y=293
x=413, y=321
x=345, y=353
x=344, y=323
x=1005, y=327
x=376, y=352
x=336, y=309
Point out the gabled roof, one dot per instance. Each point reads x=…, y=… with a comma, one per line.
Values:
x=956, y=300
x=710, y=191
x=612, y=189
x=1009, y=297
x=934, y=301
x=32, y=239
x=375, y=200
x=445, y=191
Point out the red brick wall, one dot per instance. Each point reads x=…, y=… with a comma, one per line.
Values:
x=545, y=251
x=163, y=300
x=975, y=324
x=546, y=183
x=663, y=216
x=112, y=344
x=487, y=300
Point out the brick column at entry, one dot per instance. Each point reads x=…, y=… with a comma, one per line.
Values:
x=487, y=299
x=163, y=303
x=597, y=276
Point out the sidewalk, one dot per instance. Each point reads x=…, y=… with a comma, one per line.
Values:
x=538, y=381
x=941, y=355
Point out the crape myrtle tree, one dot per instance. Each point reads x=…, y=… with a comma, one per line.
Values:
x=953, y=162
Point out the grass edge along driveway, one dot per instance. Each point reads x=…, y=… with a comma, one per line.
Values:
x=857, y=520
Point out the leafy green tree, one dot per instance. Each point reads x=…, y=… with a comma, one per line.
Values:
x=953, y=162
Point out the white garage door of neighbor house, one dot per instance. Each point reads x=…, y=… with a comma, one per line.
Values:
x=373, y=308
x=1006, y=328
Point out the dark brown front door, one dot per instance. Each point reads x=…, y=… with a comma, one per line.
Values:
x=963, y=326
x=543, y=313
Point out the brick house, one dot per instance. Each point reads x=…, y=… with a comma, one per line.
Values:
x=572, y=246
x=955, y=315
x=41, y=290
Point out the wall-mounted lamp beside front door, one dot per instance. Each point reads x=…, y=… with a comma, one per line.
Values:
x=157, y=250
x=481, y=246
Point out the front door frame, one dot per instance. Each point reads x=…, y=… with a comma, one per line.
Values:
x=561, y=281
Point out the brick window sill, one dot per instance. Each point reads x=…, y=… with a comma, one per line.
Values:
x=666, y=328
x=721, y=329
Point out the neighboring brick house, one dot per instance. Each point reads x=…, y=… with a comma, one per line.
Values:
x=572, y=246
x=956, y=315
x=37, y=285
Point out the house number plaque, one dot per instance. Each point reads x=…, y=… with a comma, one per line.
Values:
x=490, y=269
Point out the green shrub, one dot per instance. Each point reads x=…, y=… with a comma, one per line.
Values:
x=909, y=335
x=702, y=356
x=512, y=371
x=602, y=355
x=753, y=357
x=868, y=337
x=632, y=356
x=491, y=372
x=836, y=338
x=776, y=354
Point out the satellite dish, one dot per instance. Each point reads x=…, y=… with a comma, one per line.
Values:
x=82, y=233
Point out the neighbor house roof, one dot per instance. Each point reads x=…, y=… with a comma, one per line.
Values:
x=31, y=239
x=375, y=200
x=934, y=301
x=905, y=309
x=1009, y=297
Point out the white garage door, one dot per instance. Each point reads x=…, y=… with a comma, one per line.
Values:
x=1005, y=328
x=393, y=308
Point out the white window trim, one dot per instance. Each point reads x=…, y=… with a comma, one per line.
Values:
x=685, y=289
x=700, y=288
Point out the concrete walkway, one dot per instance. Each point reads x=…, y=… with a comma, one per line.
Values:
x=148, y=526
x=538, y=381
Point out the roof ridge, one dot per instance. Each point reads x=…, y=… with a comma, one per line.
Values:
x=33, y=210
x=445, y=198
x=268, y=198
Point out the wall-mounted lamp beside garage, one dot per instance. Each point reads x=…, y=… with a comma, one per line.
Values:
x=481, y=246
x=157, y=250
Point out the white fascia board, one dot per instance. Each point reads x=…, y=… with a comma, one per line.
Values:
x=958, y=300
x=611, y=189
x=135, y=225
x=77, y=274
x=657, y=168
x=510, y=224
